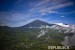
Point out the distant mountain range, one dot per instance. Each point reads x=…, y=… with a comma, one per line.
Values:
x=41, y=24
x=56, y=26
x=60, y=27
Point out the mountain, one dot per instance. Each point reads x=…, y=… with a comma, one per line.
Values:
x=37, y=24
x=55, y=33
x=5, y=28
x=64, y=27
x=61, y=27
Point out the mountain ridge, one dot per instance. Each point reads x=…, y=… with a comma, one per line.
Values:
x=37, y=23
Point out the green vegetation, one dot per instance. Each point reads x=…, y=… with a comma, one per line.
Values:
x=15, y=39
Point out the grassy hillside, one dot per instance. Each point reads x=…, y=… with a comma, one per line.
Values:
x=15, y=39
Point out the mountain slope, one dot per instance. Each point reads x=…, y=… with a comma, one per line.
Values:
x=65, y=28
x=37, y=23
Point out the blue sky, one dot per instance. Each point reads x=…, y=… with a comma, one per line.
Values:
x=16, y=13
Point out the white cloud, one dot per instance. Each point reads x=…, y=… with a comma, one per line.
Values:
x=62, y=24
x=49, y=6
x=19, y=19
x=52, y=8
x=43, y=13
x=39, y=9
x=42, y=2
